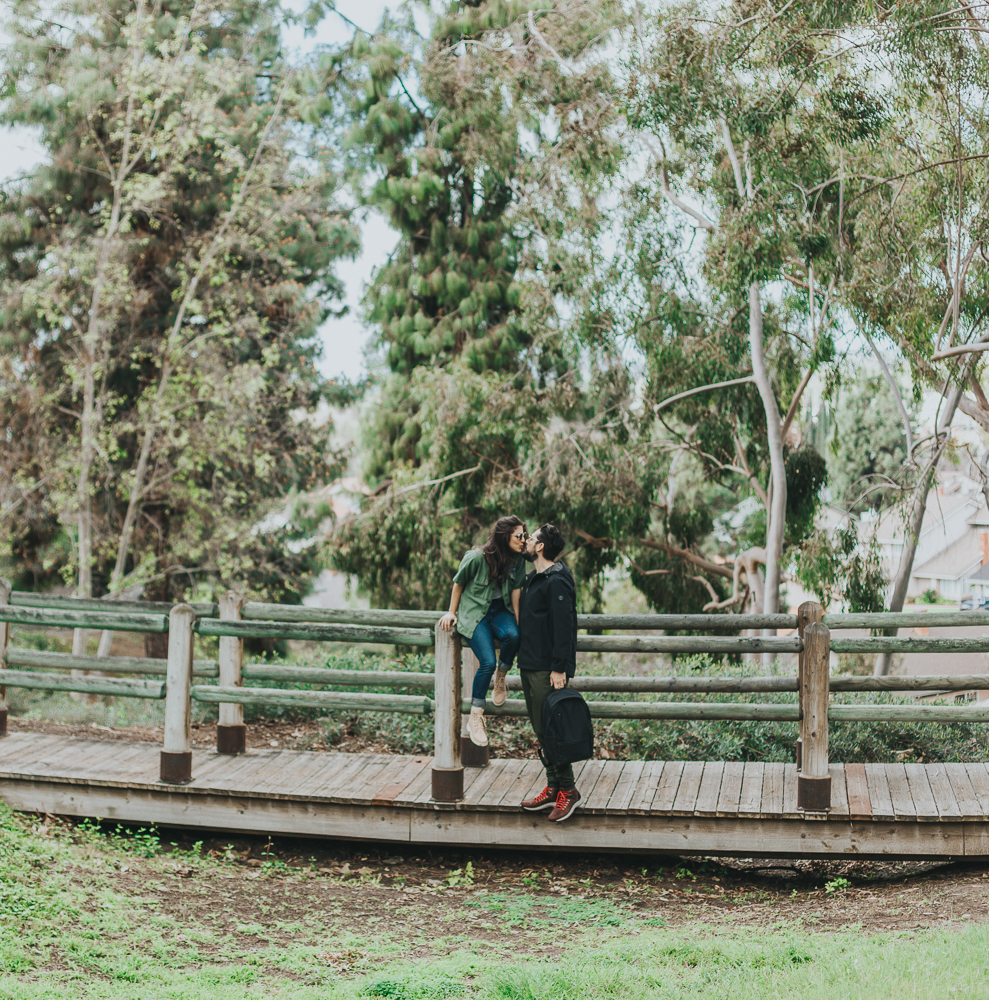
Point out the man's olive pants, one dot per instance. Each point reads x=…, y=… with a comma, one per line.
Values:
x=536, y=686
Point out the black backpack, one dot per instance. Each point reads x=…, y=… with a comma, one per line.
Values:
x=568, y=733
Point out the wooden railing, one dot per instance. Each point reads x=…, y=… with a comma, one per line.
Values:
x=233, y=620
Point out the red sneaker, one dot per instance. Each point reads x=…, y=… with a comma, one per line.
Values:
x=566, y=803
x=544, y=800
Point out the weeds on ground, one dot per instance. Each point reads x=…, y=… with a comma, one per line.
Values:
x=70, y=927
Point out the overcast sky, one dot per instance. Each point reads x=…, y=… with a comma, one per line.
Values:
x=344, y=339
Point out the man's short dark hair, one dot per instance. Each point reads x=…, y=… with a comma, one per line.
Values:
x=553, y=541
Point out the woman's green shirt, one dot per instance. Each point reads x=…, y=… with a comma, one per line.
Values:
x=478, y=593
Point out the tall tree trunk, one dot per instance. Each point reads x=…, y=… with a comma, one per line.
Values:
x=89, y=424
x=777, y=500
x=916, y=522
x=167, y=365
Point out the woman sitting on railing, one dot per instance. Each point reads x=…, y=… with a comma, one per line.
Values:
x=486, y=585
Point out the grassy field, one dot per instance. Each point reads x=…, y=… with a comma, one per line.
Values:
x=90, y=913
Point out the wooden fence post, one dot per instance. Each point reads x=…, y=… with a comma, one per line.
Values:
x=448, y=770
x=231, y=733
x=176, y=755
x=809, y=611
x=4, y=643
x=471, y=755
x=813, y=781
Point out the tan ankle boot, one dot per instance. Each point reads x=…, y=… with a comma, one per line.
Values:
x=475, y=726
x=500, y=689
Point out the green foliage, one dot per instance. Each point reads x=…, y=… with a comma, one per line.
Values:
x=806, y=474
x=835, y=563
x=867, y=457
x=195, y=214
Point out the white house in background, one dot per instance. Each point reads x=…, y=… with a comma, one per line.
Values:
x=953, y=548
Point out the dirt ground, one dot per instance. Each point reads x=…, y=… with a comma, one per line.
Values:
x=261, y=734
x=272, y=881
x=281, y=877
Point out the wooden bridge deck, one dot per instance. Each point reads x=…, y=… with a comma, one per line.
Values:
x=877, y=810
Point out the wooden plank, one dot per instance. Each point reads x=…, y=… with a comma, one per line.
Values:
x=645, y=791
x=899, y=790
x=750, y=798
x=387, y=775
x=509, y=770
x=233, y=772
x=239, y=773
x=968, y=803
x=530, y=775
x=627, y=784
x=772, y=792
x=14, y=748
x=336, y=773
x=355, y=789
x=472, y=775
x=669, y=785
x=588, y=777
x=925, y=808
x=597, y=801
x=857, y=786
x=978, y=775
x=90, y=758
x=277, y=763
x=285, y=782
x=731, y=788
x=387, y=793
x=533, y=772
x=415, y=787
x=332, y=764
x=480, y=788
x=707, y=794
x=944, y=796
x=140, y=762
x=690, y=785
x=790, y=810
x=839, y=794
x=879, y=795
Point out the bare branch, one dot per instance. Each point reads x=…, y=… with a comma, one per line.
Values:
x=733, y=156
x=896, y=393
x=668, y=194
x=795, y=402
x=538, y=35
x=702, y=388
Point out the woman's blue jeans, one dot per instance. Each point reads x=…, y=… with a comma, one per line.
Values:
x=499, y=623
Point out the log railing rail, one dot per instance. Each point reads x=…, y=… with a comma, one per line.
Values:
x=440, y=693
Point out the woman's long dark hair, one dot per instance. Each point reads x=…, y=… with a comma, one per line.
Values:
x=496, y=550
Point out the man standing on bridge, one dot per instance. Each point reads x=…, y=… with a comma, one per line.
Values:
x=547, y=656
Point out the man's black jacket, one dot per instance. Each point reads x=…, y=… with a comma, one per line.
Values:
x=548, y=621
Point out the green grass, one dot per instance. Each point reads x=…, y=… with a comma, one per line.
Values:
x=68, y=929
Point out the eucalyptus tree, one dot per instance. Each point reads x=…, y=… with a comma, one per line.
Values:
x=748, y=110
x=163, y=278
x=923, y=276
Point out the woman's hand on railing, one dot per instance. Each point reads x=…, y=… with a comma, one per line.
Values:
x=448, y=621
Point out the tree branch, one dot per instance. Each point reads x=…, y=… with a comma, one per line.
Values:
x=702, y=388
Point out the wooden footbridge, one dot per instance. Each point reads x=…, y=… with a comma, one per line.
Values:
x=809, y=808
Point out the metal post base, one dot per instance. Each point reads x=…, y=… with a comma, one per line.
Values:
x=813, y=794
x=176, y=768
x=231, y=739
x=3, y=722
x=448, y=784
x=472, y=755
